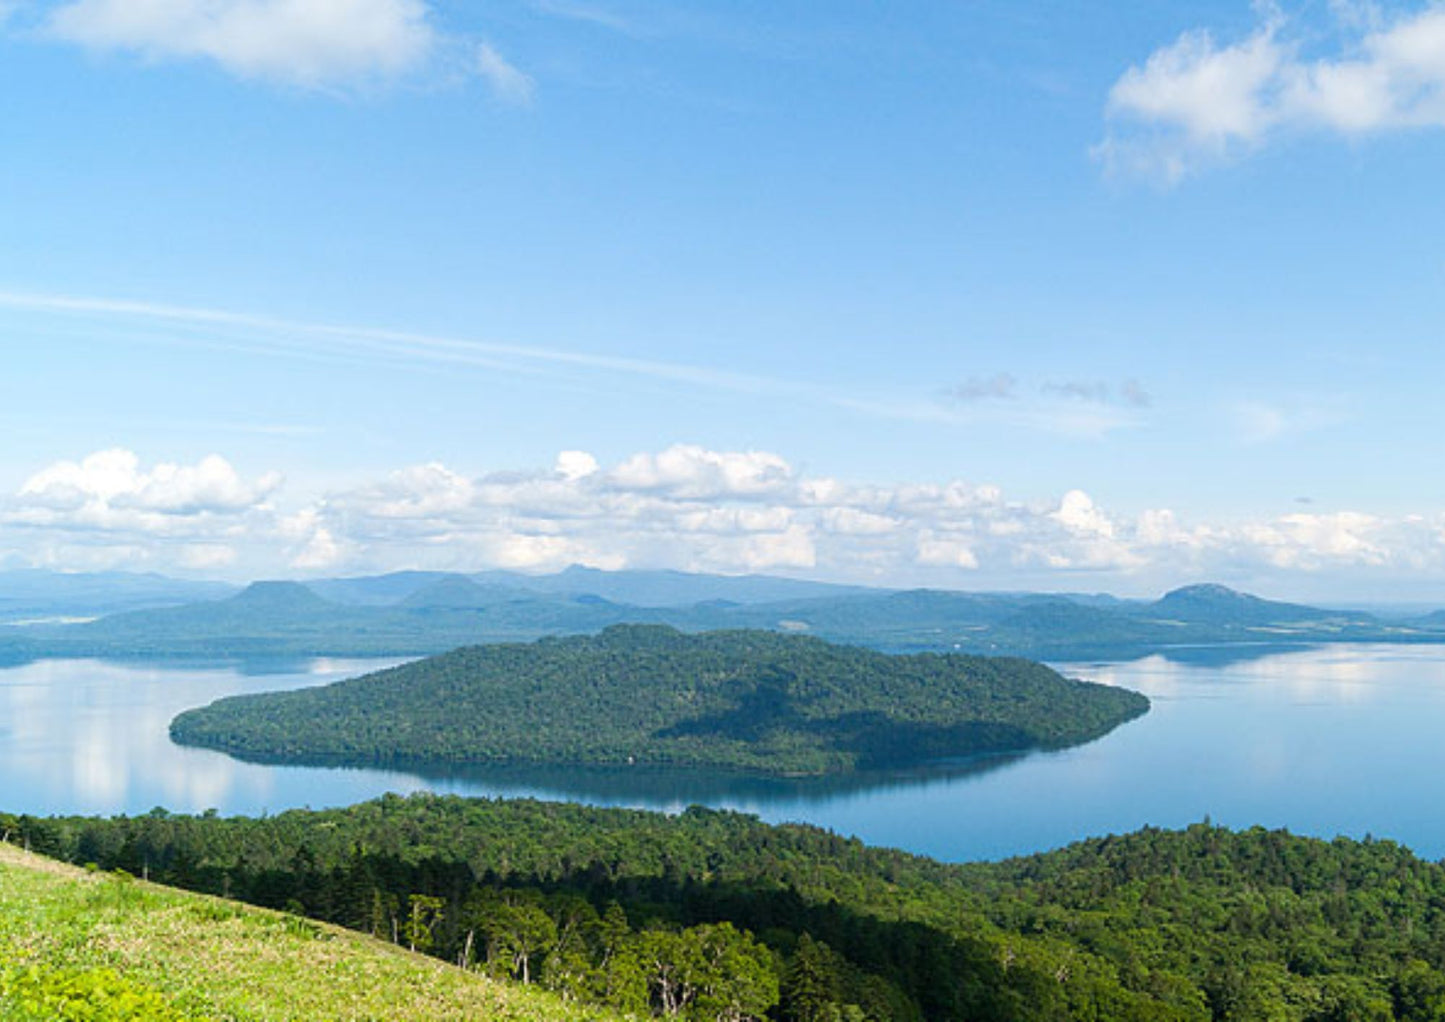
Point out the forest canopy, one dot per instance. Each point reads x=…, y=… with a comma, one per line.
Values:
x=648, y=694
x=709, y=915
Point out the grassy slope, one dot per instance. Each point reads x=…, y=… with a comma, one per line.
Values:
x=152, y=952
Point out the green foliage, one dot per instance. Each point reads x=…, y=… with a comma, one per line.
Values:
x=84, y=946
x=637, y=910
x=79, y=995
x=648, y=694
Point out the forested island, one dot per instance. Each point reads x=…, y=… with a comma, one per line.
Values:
x=639, y=694
x=713, y=915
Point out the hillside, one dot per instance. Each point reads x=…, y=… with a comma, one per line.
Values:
x=104, y=947
x=1202, y=925
x=649, y=694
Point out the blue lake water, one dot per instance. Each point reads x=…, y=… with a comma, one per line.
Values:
x=1334, y=740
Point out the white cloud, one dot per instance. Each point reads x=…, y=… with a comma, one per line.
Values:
x=689, y=471
x=1301, y=541
x=320, y=552
x=311, y=43
x=1078, y=514
x=573, y=465
x=850, y=521
x=508, y=84
x=684, y=507
x=946, y=553
x=207, y=556
x=112, y=484
x=1197, y=102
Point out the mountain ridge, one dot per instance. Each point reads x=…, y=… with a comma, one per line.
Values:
x=419, y=613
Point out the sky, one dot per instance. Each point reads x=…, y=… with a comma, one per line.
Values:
x=978, y=294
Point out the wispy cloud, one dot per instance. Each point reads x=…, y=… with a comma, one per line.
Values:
x=591, y=14
x=1197, y=101
x=507, y=83
x=1001, y=386
x=1071, y=406
x=242, y=332
x=1261, y=422
x=270, y=335
x=1130, y=393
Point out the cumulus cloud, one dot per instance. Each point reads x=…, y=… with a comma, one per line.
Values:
x=685, y=507
x=688, y=471
x=109, y=510
x=111, y=485
x=574, y=465
x=945, y=552
x=1199, y=101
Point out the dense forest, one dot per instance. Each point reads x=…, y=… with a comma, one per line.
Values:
x=715, y=915
x=639, y=694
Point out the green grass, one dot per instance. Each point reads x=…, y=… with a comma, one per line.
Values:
x=94, y=947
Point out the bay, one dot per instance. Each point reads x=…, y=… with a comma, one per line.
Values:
x=1324, y=741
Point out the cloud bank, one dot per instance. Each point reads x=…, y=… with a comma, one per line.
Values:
x=1198, y=101
x=684, y=507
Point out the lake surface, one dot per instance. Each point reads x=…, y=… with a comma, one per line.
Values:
x=1335, y=740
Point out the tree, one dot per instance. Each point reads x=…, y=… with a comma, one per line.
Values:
x=422, y=917
x=518, y=930
x=807, y=989
x=1419, y=994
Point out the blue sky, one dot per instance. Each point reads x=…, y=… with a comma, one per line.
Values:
x=973, y=294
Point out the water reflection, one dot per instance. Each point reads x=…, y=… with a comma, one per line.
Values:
x=1338, y=739
x=674, y=790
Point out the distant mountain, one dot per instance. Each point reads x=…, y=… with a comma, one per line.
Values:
x=671, y=588
x=274, y=597
x=291, y=619
x=417, y=613
x=1217, y=604
x=752, y=700
x=250, y=620
x=31, y=593
x=453, y=592
x=377, y=590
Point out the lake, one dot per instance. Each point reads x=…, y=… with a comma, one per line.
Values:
x=1325, y=741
